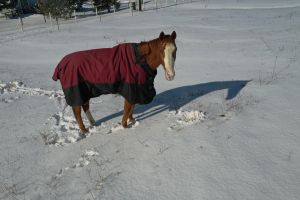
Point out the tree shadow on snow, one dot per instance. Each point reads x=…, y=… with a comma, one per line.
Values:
x=176, y=98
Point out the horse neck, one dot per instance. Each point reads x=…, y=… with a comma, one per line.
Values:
x=153, y=56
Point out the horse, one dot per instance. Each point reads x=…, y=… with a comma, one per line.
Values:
x=127, y=69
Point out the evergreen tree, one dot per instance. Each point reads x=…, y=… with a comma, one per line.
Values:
x=58, y=9
x=106, y=4
x=78, y=4
x=7, y=4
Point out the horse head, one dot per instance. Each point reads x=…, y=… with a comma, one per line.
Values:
x=161, y=51
x=168, y=51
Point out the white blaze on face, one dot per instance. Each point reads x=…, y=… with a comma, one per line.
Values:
x=169, y=61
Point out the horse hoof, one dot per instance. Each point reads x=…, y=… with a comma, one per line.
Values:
x=92, y=123
x=84, y=131
x=125, y=125
x=131, y=121
x=81, y=136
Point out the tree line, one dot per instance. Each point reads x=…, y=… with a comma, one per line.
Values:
x=60, y=8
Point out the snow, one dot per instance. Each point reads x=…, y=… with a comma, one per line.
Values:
x=226, y=128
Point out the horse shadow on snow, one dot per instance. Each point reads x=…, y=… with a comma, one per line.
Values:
x=176, y=98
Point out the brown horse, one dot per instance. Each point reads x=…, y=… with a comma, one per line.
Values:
x=147, y=56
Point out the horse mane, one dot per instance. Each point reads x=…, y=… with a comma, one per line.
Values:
x=144, y=48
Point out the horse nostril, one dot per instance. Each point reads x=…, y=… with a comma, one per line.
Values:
x=170, y=77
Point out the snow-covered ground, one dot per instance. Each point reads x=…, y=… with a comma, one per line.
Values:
x=226, y=128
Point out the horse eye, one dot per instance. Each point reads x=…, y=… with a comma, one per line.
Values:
x=174, y=55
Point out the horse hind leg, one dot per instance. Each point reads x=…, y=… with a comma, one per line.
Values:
x=77, y=114
x=86, y=109
x=130, y=118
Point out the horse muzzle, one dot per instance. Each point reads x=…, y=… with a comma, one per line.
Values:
x=170, y=76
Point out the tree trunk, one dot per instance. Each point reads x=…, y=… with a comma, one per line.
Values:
x=44, y=18
x=140, y=5
x=57, y=23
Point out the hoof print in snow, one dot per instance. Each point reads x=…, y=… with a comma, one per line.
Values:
x=83, y=161
x=118, y=127
x=10, y=99
x=61, y=129
x=18, y=87
x=86, y=158
x=81, y=136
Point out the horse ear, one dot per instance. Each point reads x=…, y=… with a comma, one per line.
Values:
x=161, y=35
x=144, y=48
x=173, y=35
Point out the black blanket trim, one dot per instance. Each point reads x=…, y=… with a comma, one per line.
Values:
x=142, y=62
x=133, y=93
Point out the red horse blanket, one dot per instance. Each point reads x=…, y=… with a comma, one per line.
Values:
x=91, y=73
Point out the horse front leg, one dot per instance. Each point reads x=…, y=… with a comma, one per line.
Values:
x=127, y=115
x=86, y=109
x=77, y=114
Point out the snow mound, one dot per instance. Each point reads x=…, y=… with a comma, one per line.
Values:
x=186, y=118
x=10, y=87
x=189, y=117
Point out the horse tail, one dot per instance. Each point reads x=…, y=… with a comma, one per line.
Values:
x=56, y=73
